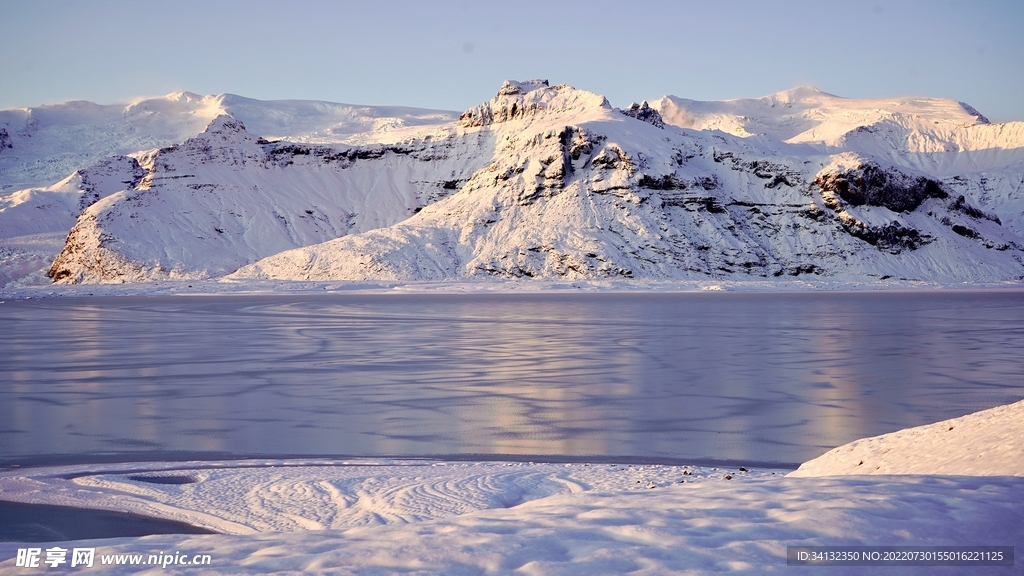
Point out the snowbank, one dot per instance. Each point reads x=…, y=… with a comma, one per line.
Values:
x=987, y=443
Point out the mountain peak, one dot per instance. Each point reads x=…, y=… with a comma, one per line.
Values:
x=511, y=87
x=799, y=94
x=184, y=97
x=522, y=99
x=225, y=124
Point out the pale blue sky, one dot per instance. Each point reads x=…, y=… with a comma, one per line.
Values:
x=453, y=55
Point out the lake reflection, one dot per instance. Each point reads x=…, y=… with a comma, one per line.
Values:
x=741, y=377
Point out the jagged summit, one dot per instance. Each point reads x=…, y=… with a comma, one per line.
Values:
x=511, y=87
x=645, y=113
x=225, y=124
x=516, y=100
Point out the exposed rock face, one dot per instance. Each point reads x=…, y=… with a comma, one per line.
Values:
x=513, y=87
x=644, y=113
x=892, y=237
x=961, y=205
x=103, y=262
x=871, y=185
x=107, y=176
x=519, y=100
x=970, y=110
x=5, y=140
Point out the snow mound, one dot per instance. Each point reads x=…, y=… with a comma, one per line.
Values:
x=244, y=497
x=986, y=443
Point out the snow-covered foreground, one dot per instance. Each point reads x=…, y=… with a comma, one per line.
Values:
x=500, y=517
x=689, y=528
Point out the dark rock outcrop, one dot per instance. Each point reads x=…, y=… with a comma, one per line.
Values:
x=974, y=112
x=644, y=113
x=892, y=237
x=961, y=205
x=872, y=185
x=109, y=175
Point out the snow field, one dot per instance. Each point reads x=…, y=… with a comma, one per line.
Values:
x=694, y=528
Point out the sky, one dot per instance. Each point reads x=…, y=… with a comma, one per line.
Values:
x=454, y=55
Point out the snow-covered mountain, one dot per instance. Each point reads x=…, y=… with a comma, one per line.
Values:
x=100, y=145
x=226, y=198
x=551, y=182
x=43, y=144
x=937, y=136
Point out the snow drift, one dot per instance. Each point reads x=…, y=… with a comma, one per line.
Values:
x=986, y=443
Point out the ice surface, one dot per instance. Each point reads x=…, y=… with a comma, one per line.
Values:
x=686, y=378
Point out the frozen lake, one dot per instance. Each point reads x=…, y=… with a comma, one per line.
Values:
x=741, y=377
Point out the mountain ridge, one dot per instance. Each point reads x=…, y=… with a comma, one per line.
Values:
x=552, y=182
